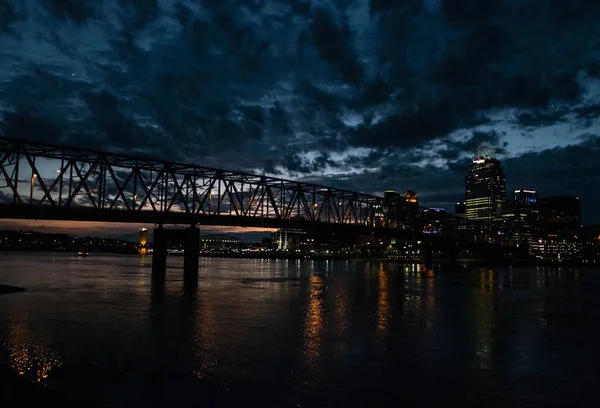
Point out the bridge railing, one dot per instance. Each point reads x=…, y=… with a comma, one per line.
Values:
x=38, y=174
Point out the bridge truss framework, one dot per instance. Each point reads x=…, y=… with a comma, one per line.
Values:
x=65, y=180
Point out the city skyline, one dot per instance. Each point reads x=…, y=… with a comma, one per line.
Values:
x=299, y=202
x=324, y=92
x=483, y=166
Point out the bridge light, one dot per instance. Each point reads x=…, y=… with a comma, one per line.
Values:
x=35, y=176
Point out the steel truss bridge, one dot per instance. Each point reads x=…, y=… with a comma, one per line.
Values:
x=45, y=181
x=51, y=182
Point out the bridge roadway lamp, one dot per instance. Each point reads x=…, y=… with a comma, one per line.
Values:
x=33, y=177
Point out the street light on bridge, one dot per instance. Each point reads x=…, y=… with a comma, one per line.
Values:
x=33, y=177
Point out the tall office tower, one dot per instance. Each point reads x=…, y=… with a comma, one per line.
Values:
x=485, y=186
x=410, y=210
x=391, y=208
x=400, y=211
x=520, y=216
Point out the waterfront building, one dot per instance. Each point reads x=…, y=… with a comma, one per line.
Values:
x=307, y=241
x=220, y=242
x=485, y=186
x=554, y=248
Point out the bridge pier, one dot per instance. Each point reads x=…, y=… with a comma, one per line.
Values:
x=190, y=238
x=159, y=253
x=190, y=256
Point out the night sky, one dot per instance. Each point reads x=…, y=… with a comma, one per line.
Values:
x=358, y=94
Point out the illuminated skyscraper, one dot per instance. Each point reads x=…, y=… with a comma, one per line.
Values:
x=485, y=186
x=399, y=211
x=520, y=217
x=411, y=197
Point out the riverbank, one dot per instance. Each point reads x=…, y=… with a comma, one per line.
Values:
x=287, y=255
x=10, y=289
x=17, y=391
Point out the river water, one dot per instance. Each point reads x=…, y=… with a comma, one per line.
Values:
x=302, y=333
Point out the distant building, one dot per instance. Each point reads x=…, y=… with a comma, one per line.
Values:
x=517, y=223
x=300, y=240
x=411, y=197
x=554, y=248
x=290, y=239
x=220, y=242
x=560, y=214
x=391, y=209
x=400, y=211
x=485, y=186
x=525, y=195
x=520, y=217
x=410, y=210
x=438, y=221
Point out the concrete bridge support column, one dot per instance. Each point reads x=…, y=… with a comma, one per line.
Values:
x=190, y=257
x=159, y=253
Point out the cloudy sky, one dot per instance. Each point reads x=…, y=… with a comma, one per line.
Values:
x=360, y=94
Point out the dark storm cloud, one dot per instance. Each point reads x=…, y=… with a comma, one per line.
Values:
x=538, y=118
x=77, y=11
x=298, y=86
x=335, y=45
x=453, y=149
x=414, y=128
x=30, y=126
x=8, y=16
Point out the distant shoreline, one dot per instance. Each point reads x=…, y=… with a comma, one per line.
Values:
x=11, y=289
x=341, y=257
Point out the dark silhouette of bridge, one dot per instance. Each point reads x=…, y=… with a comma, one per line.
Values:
x=51, y=182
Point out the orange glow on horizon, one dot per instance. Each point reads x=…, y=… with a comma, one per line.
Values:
x=106, y=229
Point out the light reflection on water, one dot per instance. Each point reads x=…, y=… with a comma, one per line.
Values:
x=28, y=357
x=291, y=332
x=484, y=319
x=384, y=310
x=313, y=329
